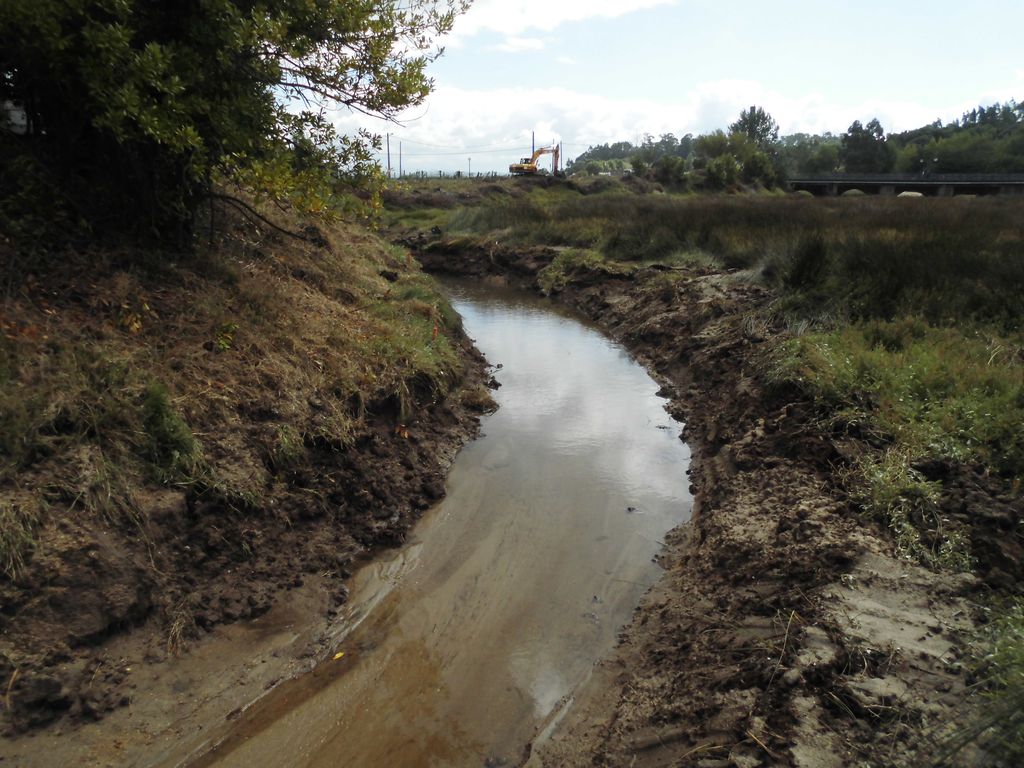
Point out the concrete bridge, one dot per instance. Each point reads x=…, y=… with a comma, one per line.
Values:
x=932, y=184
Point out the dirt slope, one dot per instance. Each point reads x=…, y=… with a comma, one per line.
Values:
x=187, y=440
x=785, y=631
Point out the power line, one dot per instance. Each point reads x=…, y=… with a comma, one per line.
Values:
x=501, y=150
x=449, y=146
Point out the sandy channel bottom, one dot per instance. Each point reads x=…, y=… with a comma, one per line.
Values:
x=463, y=646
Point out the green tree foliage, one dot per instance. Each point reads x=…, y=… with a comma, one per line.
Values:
x=135, y=108
x=640, y=164
x=670, y=170
x=614, y=156
x=712, y=145
x=985, y=140
x=864, y=149
x=824, y=159
x=800, y=153
x=728, y=159
x=723, y=172
x=758, y=126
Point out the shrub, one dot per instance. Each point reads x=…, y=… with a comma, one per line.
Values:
x=173, y=450
x=723, y=171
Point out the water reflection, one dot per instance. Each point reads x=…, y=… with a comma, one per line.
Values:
x=568, y=391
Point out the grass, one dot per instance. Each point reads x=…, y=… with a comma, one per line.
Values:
x=18, y=523
x=554, y=276
x=938, y=392
x=890, y=489
x=999, y=725
x=946, y=260
x=1004, y=714
x=917, y=392
x=209, y=373
x=905, y=321
x=172, y=449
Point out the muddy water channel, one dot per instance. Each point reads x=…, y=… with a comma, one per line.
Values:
x=467, y=644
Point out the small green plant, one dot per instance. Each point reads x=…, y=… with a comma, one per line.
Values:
x=889, y=489
x=173, y=451
x=226, y=336
x=554, y=276
x=288, y=447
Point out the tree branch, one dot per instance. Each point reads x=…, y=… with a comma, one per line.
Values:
x=248, y=210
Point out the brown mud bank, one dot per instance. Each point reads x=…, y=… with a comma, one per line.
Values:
x=189, y=445
x=785, y=630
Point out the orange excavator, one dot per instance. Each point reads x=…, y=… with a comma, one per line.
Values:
x=528, y=165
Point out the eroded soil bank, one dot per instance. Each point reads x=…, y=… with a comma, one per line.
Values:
x=458, y=647
x=785, y=630
x=320, y=397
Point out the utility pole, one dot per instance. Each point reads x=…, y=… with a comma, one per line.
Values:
x=470, y=161
x=387, y=138
x=533, y=142
x=399, y=159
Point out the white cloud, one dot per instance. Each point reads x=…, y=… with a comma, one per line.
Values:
x=517, y=16
x=519, y=44
x=567, y=60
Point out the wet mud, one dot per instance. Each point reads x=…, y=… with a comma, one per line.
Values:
x=786, y=630
x=458, y=648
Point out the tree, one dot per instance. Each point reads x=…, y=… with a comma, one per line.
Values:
x=758, y=168
x=711, y=145
x=758, y=126
x=139, y=107
x=670, y=170
x=825, y=159
x=864, y=149
x=639, y=164
x=722, y=171
x=800, y=153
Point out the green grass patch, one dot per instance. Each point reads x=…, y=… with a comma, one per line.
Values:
x=172, y=449
x=937, y=391
x=947, y=260
x=923, y=392
x=1004, y=715
x=59, y=394
x=891, y=490
x=554, y=276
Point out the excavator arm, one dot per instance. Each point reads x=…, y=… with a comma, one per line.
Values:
x=528, y=165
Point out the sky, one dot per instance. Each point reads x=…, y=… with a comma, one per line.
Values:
x=587, y=72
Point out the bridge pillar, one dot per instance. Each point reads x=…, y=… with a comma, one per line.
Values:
x=832, y=189
x=887, y=189
x=944, y=190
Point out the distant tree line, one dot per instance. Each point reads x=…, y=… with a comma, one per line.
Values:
x=984, y=140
